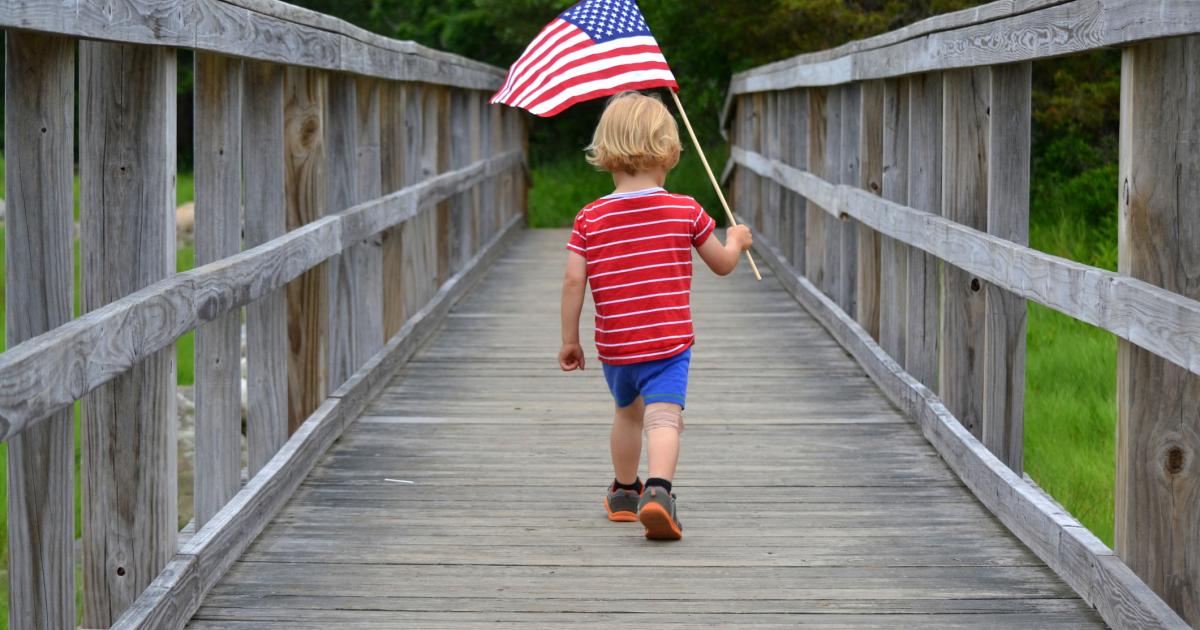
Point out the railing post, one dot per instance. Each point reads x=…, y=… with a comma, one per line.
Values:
x=893, y=254
x=127, y=211
x=797, y=126
x=444, y=241
x=924, y=193
x=1158, y=402
x=367, y=312
x=870, y=148
x=39, y=136
x=815, y=237
x=459, y=236
x=305, y=182
x=473, y=237
x=218, y=137
x=768, y=213
x=847, y=283
x=754, y=140
x=343, y=280
x=966, y=95
x=1007, y=217
x=833, y=173
x=488, y=221
x=266, y=319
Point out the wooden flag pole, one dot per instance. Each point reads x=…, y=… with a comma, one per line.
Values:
x=713, y=178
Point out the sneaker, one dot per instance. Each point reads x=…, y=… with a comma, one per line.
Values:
x=656, y=511
x=621, y=505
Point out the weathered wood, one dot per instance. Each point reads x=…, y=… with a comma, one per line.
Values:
x=815, y=236
x=966, y=99
x=458, y=237
x=265, y=30
x=847, y=283
x=341, y=283
x=39, y=119
x=1055, y=29
x=395, y=130
x=266, y=318
x=924, y=193
x=772, y=145
x=1161, y=321
x=870, y=179
x=797, y=128
x=893, y=299
x=306, y=94
x=1009, y=164
x=368, y=255
x=127, y=202
x=1158, y=404
x=473, y=238
x=218, y=147
x=835, y=171
x=206, y=556
x=1072, y=551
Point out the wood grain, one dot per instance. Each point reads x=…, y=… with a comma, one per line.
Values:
x=924, y=193
x=870, y=150
x=966, y=101
x=1009, y=166
x=39, y=118
x=266, y=318
x=368, y=254
x=893, y=299
x=306, y=181
x=1158, y=403
x=218, y=365
x=798, y=128
x=341, y=282
x=395, y=131
x=815, y=236
x=851, y=117
x=127, y=202
x=1072, y=551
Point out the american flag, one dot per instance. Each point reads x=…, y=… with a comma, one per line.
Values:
x=594, y=49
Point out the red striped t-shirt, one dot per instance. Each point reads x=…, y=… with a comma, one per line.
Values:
x=638, y=248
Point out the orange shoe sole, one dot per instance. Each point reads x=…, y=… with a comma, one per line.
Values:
x=658, y=523
x=619, y=517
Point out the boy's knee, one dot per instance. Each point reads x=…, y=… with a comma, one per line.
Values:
x=663, y=416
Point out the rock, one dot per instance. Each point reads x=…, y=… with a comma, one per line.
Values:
x=185, y=220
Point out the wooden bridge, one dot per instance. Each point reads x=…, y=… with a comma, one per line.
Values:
x=410, y=457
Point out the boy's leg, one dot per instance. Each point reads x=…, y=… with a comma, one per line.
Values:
x=663, y=421
x=626, y=441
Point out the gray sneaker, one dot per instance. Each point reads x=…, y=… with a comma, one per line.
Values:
x=621, y=505
x=657, y=513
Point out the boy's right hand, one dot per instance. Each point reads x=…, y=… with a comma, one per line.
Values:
x=740, y=237
x=570, y=357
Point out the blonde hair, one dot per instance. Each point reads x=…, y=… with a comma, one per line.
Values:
x=636, y=133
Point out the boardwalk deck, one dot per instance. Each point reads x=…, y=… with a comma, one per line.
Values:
x=806, y=498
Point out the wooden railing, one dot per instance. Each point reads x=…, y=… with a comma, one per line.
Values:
x=348, y=189
x=889, y=181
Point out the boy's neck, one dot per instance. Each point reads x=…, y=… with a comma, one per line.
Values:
x=626, y=183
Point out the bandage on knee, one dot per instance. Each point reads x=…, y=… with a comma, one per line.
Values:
x=663, y=419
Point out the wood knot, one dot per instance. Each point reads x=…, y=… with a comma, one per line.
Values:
x=976, y=285
x=120, y=571
x=1176, y=460
x=874, y=187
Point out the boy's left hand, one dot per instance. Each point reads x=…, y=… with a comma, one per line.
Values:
x=570, y=357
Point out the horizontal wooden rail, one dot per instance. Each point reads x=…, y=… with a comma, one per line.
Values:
x=175, y=595
x=1087, y=565
x=1161, y=321
x=53, y=370
x=266, y=30
x=997, y=33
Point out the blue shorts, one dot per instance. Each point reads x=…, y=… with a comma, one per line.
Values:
x=662, y=381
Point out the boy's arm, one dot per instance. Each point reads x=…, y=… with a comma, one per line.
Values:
x=570, y=357
x=722, y=259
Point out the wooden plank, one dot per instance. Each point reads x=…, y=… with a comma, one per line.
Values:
x=171, y=601
x=797, y=128
x=393, y=135
x=443, y=228
x=1056, y=29
x=34, y=383
x=344, y=293
x=218, y=346
x=924, y=193
x=39, y=119
x=870, y=151
x=266, y=318
x=368, y=254
x=966, y=99
x=850, y=168
x=127, y=189
x=755, y=137
x=815, y=217
x=1157, y=501
x=459, y=234
x=1072, y=551
x=265, y=30
x=835, y=170
x=1156, y=319
x=893, y=299
x=306, y=94
x=489, y=222
x=1009, y=165
x=472, y=236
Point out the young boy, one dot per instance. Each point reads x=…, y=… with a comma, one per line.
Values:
x=635, y=249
